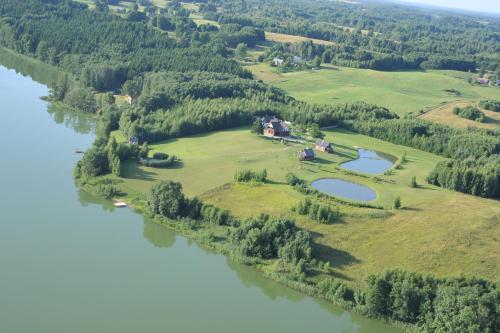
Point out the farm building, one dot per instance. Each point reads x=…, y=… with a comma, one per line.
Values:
x=306, y=154
x=323, y=146
x=275, y=127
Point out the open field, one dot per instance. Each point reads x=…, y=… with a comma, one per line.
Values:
x=438, y=231
x=444, y=114
x=401, y=92
x=283, y=38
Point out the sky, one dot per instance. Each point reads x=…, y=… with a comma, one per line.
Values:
x=486, y=6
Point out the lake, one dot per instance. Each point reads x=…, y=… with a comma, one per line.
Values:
x=344, y=189
x=73, y=263
x=370, y=162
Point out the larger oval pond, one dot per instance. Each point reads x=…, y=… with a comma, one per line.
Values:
x=72, y=263
x=370, y=162
x=344, y=189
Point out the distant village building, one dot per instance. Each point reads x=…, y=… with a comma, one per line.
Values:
x=133, y=140
x=483, y=81
x=277, y=62
x=323, y=146
x=275, y=127
x=498, y=83
x=306, y=154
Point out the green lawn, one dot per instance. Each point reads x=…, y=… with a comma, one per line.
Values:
x=401, y=92
x=438, y=231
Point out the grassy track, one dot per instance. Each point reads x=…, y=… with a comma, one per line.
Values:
x=438, y=231
x=401, y=92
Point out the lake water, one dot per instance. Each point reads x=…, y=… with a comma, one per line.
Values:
x=344, y=189
x=72, y=263
x=370, y=162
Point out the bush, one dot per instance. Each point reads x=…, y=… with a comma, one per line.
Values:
x=167, y=199
x=397, y=203
x=490, y=105
x=105, y=191
x=471, y=113
x=245, y=176
x=413, y=182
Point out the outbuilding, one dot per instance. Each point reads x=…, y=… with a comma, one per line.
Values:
x=306, y=154
x=323, y=146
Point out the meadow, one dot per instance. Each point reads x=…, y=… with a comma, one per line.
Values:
x=402, y=92
x=437, y=230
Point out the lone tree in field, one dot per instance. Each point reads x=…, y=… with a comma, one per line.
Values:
x=397, y=203
x=413, y=182
x=166, y=199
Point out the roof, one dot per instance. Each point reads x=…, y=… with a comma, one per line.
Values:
x=278, y=125
x=307, y=152
x=323, y=143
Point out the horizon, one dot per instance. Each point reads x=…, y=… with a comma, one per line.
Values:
x=480, y=6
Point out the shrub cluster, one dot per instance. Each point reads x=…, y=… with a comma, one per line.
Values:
x=470, y=112
x=317, y=211
x=490, y=104
x=245, y=176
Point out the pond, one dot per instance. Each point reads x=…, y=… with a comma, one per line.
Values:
x=344, y=189
x=370, y=162
x=73, y=263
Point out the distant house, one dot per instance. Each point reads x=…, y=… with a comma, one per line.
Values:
x=323, y=146
x=133, y=140
x=277, y=128
x=306, y=154
x=277, y=62
x=498, y=83
x=274, y=126
x=483, y=81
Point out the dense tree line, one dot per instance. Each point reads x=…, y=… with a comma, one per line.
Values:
x=476, y=176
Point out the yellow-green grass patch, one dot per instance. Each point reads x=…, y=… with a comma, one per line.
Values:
x=444, y=114
x=283, y=38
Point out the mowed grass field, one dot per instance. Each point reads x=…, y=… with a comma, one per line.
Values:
x=444, y=114
x=438, y=231
x=401, y=92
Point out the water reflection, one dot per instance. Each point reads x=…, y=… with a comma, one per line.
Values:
x=79, y=121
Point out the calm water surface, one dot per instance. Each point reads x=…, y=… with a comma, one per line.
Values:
x=72, y=263
x=344, y=189
x=370, y=162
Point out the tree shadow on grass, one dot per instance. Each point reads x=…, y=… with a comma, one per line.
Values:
x=138, y=173
x=337, y=258
x=323, y=161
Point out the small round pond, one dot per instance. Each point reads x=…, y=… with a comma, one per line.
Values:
x=370, y=162
x=344, y=189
